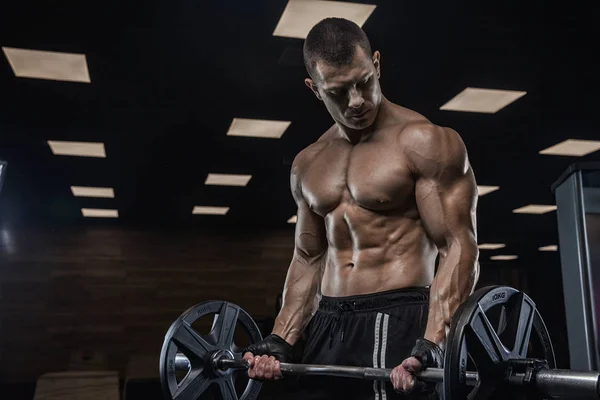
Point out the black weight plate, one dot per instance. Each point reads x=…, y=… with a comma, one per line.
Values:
x=474, y=340
x=183, y=338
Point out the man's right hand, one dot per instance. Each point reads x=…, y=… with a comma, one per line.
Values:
x=263, y=367
x=264, y=357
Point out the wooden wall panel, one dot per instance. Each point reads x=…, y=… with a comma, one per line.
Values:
x=117, y=291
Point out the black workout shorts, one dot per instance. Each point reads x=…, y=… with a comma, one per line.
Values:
x=374, y=330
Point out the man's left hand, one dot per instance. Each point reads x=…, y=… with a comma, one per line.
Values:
x=403, y=377
x=425, y=354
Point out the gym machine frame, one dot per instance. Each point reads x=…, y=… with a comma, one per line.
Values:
x=577, y=193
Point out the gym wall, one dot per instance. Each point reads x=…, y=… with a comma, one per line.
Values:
x=114, y=293
x=100, y=297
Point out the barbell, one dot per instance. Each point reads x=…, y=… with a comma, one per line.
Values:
x=497, y=346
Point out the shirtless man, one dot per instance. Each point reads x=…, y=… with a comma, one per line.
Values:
x=379, y=196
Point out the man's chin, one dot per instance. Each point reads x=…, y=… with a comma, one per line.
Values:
x=359, y=125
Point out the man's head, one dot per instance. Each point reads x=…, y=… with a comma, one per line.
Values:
x=343, y=71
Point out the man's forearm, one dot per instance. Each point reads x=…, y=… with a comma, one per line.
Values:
x=300, y=298
x=454, y=281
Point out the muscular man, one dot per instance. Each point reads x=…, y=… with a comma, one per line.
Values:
x=380, y=195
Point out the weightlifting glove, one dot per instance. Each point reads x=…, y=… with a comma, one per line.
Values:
x=272, y=345
x=430, y=356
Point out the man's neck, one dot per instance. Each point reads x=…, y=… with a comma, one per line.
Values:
x=355, y=136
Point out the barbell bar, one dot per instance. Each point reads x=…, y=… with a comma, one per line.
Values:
x=556, y=383
x=378, y=374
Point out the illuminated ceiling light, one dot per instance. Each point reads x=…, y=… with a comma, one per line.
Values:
x=503, y=257
x=202, y=210
x=479, y=100
x=293, y=219
x=49, y=65
x=300, y=16
x=534, y=209
x=491, y=246
x=227, y=180
x=99, y=213
x=483, y=190
x=78, y=149
x=552, y=247
x=86, y=191
x=573, y=147
x=259, y=128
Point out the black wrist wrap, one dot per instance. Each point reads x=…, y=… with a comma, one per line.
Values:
x=428, y=353
x=430, y=356
x=272, y=345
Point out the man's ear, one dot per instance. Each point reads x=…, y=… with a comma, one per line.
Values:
x=376, y=63
x=311, y=85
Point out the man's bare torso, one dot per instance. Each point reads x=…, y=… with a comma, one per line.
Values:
x=366, y=194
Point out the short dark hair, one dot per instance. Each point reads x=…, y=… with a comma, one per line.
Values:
x=333, y=41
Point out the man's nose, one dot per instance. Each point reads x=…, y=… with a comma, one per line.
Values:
x=355, y=98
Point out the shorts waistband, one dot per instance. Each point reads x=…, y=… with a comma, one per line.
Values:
x=376, y=300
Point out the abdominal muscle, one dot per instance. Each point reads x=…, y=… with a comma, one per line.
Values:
x=371, y=252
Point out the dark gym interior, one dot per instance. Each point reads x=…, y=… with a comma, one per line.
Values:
x=166, y=80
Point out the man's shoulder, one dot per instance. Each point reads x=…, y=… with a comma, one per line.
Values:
x=310, y=152
x=303, y=160
x=425, y=145
x=425, y=134
x=419, y=139
x=408, y=125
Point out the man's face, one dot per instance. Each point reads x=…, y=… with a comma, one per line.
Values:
x=351, y=92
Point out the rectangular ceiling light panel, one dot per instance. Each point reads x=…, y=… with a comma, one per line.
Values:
x=478, y=100
x=87, y=191
x=300, y=16
x=491, y=246
x=535, y=209
x=503, y=257
x=48, y=65
x=552, y=247
x=483, y=190
x=258, y=128
x=77, y=149
x=99, y=213
x=203, y=210
x=227, y=180
x=573, y=147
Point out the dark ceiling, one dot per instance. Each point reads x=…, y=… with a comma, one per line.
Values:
x=168, y=77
